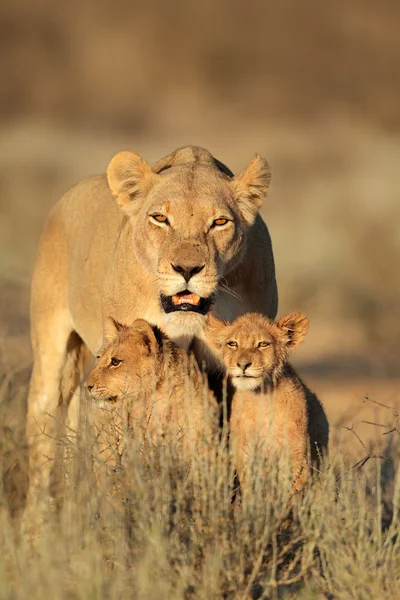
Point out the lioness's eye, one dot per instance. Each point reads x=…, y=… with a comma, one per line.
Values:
x=264, y=344
x=220, y=222
x=160, y=219
x=115, y=362
x=232, y=344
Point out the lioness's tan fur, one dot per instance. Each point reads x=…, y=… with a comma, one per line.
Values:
x=102, y=253
x=271, y=405
x=156, y=386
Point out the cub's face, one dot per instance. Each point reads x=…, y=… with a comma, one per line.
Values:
x=128, y=365
x=253, y=348
x=251, y=352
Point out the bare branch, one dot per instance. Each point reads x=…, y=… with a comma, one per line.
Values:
x=393, y=408
x=357, y=436
x=376, y=424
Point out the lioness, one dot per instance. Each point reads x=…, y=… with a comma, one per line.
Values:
x=159, y=243
x=271, y=404
x=155, y=383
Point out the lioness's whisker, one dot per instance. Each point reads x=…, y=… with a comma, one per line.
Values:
x=226, y=289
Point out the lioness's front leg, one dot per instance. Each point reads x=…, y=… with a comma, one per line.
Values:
x=58, y=363
x=43, y=422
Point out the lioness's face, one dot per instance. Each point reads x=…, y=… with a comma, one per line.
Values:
x=127, y=366
x=189, y=224
x=254, y=349
x=189, y=234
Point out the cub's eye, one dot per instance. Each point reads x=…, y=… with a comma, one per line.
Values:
x=220, y=222
x=160, y=219
x=232, y=344
x=115, y=362
x=264, y=344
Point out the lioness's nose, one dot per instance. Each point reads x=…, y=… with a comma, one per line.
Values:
x=89, y=387
x=243, y=364
x=187, y=272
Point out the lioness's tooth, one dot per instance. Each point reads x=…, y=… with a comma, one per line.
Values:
x=186, y=299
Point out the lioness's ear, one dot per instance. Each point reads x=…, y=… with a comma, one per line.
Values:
x=111, y=329
x=215, y=331
x=250, y=187
x=293, y=328
x=129, y=176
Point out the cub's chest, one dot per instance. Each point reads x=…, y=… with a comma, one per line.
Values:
x=252, y=415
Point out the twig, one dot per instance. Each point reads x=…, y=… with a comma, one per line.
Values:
x=391, y=431
x=357, y=436
x=376, y=424
x=393, y=408
x=368, y=456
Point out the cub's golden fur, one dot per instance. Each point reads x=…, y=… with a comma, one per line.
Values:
x=118, y=245
x=156, y=385
x=271, y=404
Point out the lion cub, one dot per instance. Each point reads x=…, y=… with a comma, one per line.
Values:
x=158, y=384
x=268, y=392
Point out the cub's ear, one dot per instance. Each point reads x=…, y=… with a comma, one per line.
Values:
x=111, y=330
x=215, y=331
x=250, y=187
x=293, y=328
x=129, y=177
x=152, y=336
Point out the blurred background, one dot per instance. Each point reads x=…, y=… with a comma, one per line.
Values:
x=312, y=86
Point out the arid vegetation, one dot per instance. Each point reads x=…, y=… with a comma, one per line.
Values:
x=158, y=525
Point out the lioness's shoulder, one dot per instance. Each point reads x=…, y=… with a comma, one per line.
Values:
x=84, y=187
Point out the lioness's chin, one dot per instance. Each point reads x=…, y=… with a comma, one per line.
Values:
x=186, y=323
x=246, y=383
x=182, y=327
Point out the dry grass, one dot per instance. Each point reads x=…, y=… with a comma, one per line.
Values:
x=161, y=524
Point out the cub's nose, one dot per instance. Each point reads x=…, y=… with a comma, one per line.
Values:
x=243, y=364
x=89, y=387
x=186, y=271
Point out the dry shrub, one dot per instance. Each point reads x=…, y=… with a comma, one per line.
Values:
x=162, y=523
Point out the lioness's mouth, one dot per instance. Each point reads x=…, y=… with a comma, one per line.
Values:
x=185, y=298
x=186, y=301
